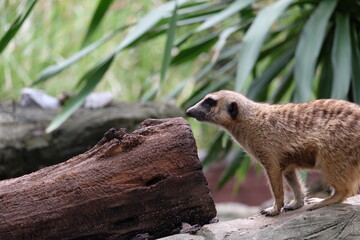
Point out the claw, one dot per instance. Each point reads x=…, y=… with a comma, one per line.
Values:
x=269, y=212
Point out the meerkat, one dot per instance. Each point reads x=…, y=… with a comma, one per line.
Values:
x=322, y=135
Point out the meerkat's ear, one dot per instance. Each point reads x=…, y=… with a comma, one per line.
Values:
x=233, y=110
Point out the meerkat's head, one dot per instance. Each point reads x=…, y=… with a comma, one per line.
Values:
x=221, y=108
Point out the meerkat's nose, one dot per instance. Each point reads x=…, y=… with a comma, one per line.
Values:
x=190, y=112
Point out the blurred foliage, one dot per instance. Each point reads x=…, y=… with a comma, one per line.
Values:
x=275, y=51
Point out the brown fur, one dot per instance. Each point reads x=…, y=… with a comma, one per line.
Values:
x=322, y=135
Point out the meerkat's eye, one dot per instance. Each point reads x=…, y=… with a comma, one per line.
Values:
x=209, y=103
x=233, y=110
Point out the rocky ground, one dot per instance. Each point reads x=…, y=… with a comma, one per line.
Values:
x=338, y=221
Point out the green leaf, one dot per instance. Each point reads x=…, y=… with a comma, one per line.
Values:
x=94, y=75
x=230, y=171
x=201, y=9
x=57, y=68
x=102, y=7
x=303, y=175
x=308, y=49
x=242, y=171
x=198, y=12
x=168, y=46
x=355, y=64
x=200, y=46
x=215, y=148
x=204, y=89
x=15, y=26
x=196, y=95
x=220, y=70
x=226, y=141
x=147, y=22
x=178, y=89
x=204, y=71
x=233, y=8
x=195, y=7
x=284, y=86
x=224, y=35
x=150, y=94
x=184, y=38
x=230, y=51
x=206, y=11
x=196, y=18
x=326, y=74
x=260, y=85
x=254, y=39
x=341, y=57
x=279, y=46
x=74, y=103
x=146, y=30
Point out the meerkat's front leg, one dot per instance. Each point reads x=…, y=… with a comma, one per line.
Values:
x=275, y=178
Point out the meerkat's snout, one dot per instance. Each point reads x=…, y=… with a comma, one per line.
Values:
x=201, y=110
x=196, y=113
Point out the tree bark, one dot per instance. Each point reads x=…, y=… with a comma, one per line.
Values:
x=25, y=147
x=147, y=182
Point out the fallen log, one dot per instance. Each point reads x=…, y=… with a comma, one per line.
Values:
x=146, y=183
x=25, y=147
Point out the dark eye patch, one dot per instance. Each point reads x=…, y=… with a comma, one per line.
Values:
x=209, y=103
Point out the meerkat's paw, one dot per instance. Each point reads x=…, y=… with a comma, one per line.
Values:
x=270, y=212
x=293, y=205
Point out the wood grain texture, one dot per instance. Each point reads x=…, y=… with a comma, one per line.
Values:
x=149, y=181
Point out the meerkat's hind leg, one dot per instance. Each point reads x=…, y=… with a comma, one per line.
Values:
x=296, y=186
x=341, y=192
x=338, y=197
